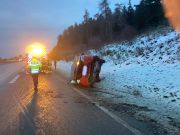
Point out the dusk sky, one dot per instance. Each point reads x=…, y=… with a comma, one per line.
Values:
x=25, y=21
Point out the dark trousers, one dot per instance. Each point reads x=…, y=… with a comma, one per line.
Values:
x=35, y=80
x=55, y=63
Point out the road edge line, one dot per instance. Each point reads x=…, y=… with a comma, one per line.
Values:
x=14, y=79
x=109, y=113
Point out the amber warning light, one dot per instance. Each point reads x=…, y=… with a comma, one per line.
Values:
x=36, y=50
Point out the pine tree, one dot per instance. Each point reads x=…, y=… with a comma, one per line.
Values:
x=149, y=13
x=107, y=23
x=86, y=16
x=104, y=8
x=130, y=14
x=117, y=18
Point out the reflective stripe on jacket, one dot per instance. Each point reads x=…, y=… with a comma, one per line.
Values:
x=35, y=66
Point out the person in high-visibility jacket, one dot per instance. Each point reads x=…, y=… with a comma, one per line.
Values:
x=35, y=66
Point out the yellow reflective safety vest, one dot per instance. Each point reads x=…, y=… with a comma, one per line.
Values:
x=35, y=66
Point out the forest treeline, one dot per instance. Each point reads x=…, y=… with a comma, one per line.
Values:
x=107, y=26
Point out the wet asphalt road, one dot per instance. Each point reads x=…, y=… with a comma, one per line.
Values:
x=55, y=109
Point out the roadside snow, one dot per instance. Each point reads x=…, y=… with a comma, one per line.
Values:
x=65, y=68
x=156, y=87
x=145, y=72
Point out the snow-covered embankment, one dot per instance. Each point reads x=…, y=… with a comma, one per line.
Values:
x=145, y=72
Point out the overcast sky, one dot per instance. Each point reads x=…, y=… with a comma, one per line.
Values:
x=25, y=21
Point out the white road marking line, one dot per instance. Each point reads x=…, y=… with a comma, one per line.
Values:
x=112, y=115
x=14, y=79
x=106, y=111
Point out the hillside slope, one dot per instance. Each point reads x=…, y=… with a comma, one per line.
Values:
x=144, y=72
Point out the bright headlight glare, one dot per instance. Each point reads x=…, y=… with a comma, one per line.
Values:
x=36, y=49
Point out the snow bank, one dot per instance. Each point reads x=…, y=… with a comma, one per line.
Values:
x=151, y=49
x=156, y=87
x=145, y=72
x=65, y=68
